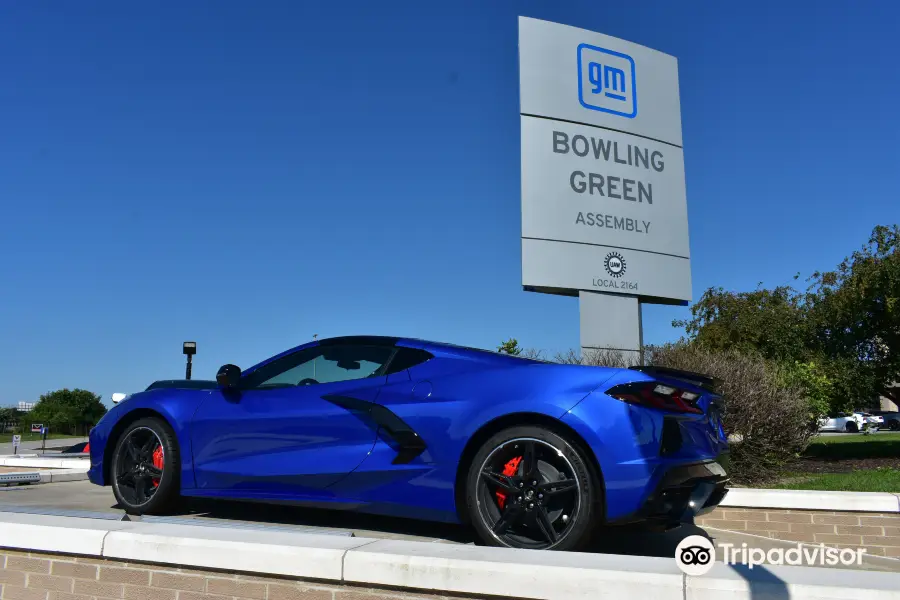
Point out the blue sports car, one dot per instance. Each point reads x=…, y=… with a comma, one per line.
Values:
x=531, y=454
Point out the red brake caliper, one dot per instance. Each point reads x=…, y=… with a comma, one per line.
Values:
x=509, y=469
x=159, y=462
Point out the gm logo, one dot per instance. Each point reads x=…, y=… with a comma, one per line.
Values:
x=606, y=81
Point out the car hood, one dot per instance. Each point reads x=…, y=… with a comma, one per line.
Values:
x=183, y=384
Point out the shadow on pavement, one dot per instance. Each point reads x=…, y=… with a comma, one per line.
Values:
x=638, y=541
x=763, y=583
x=630, y=540
x=359, y=523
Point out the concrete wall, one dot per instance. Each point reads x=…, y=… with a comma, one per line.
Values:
x=887, y=404
x=878, y=533
x=39, y=576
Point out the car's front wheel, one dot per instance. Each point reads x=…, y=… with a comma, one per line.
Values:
x=528, y=487
x=145, y=467
x=852, y=427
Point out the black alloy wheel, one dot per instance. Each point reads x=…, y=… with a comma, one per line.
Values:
x=530, y=488
x=144, y=471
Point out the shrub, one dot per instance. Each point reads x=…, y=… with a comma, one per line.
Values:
x=766, y=415
x=767, y=408
x=817, y=388
x=598, y=358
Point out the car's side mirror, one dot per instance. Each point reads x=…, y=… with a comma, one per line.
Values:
x=228, y=376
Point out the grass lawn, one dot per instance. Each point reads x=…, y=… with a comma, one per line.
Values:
x=873, y=480
x=6, y=438
x=840, y=446
x=849, y=463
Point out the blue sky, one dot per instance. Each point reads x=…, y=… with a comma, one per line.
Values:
x=248, y=174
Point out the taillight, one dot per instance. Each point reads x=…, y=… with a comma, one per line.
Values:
x=657, y=395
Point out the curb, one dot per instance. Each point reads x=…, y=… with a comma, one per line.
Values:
x=34, y=461
x=881, y=502
x=425, y=566
x=38, y=477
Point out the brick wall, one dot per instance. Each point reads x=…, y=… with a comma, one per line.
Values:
x=38, y=576
x=878, y=533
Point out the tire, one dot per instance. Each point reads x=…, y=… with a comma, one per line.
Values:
x=852, y=427
x=509, y=510
x=893, y=425
x=141, y=482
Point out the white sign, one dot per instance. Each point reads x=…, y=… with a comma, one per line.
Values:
x=36, y=427
x=25, y=406
x=604, y=206
x=17, y=439
x=578, y=75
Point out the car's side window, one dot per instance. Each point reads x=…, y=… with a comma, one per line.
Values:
x=406, y=358
x=287, y=371
x=303, y=372
x=321, y=364
x=343, y=363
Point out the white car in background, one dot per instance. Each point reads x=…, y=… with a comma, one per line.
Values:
x=890, y=418
x=874, y=421
x=849, y=422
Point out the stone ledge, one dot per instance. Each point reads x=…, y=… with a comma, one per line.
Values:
x=796, y=583
x=40, y=462
x=422, y=566
x=812, y=500
x=46, y=476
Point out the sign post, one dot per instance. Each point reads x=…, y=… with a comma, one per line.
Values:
x=604, y=205
x=16, y=441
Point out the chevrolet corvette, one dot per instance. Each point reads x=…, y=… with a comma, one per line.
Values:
x=530, y=454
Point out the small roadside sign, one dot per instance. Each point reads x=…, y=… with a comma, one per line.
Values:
x=17, y=440
x=36, y=427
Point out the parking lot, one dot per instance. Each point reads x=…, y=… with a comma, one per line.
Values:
x=34, y=446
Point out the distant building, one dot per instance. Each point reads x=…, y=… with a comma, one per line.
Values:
x=25, y=406
x=888, y=404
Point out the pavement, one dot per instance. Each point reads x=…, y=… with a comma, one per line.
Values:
x=32, y=446
x=84, y=496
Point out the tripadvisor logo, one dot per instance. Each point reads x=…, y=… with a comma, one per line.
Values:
x=614, y=264
x=696, y=555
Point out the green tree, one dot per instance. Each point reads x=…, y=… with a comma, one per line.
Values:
x=770, y=323
x=847, y=323
x=815, y=384
x=510, y=346
x=68, y=411
x=7, y=415
x=854, y=315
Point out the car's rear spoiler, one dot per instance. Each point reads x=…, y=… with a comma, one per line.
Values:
x=700, y=380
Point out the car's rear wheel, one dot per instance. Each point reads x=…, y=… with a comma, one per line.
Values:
x=528, y=487
x=145, y=468
x=852, y=427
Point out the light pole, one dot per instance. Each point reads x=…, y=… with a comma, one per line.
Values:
x=190, y=349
